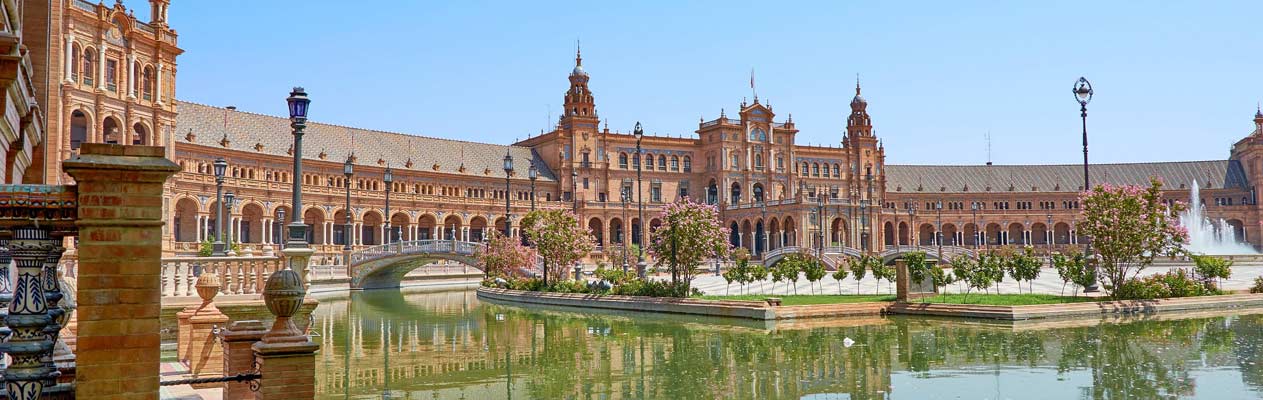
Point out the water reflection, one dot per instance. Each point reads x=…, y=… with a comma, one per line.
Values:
x=450, y=345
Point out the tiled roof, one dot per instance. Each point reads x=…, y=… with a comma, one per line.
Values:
x=250, y=132
x=1058, y=178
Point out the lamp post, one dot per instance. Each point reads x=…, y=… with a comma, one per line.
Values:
x=1048, y=237
x=625, y=194
x=348, y=170
x=388, y=177
x=866, y=205
x=574, y=191
x=938, y=232
x=973, y=206
x=820, y=223
x=298, y=103
x=532, y=173
x=762, y=232
x=508, y=171
x=229, y=201
x=1083, y=94
x=217, y=248
x=640, y=202
x=912, y=226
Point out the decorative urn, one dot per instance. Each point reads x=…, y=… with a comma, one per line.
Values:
x=284, y=295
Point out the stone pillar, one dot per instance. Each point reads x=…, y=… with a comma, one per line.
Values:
x=286, y=357
x=28, y=376
x=204, y=355
x=906, y=290
x=239, y=356
x=120, y=231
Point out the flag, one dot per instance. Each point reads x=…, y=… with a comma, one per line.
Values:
x=752, y=78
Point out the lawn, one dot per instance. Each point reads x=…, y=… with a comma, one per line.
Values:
x=805, y=299
x=1005, y=299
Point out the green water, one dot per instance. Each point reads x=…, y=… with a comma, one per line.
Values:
x=449, y=345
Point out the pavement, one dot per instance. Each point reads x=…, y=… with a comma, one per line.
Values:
x=1243, y=275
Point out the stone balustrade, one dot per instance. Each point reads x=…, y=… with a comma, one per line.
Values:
x=238, y=275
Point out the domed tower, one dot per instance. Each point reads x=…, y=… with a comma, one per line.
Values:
x=864, y=152
x=579, y=136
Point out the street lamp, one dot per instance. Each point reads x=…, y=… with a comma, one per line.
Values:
x=574, y=191
x=1048, y=237
x=913, y=230
x=217, y=248
x=348, y=170
x=864, y=207
x=229, y=201
x=388, y=177
x=820, y=223
x=508, y=171
x=640, y=202
x=938, y=232
x=532, y=173
x=974, y=207
x=1083, y=94
x=763, y=232
x=298, y=103
x=626, y=193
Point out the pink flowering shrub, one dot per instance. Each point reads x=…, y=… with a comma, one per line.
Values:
x=691, y=232
x=1129, y=226
x=558, y=238
x=505, y=256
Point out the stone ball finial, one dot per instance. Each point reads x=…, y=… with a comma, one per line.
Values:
x=207, y=286
x=283, y=294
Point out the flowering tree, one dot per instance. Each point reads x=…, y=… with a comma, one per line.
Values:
x=691, y=232
x=558, y=238
x=1129, y=226
x=504, y=255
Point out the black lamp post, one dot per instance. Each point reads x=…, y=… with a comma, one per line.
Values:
x=640, y=202
x=1048, y=237
x=508, y=171
x=298, y=103
x=1083, y=94
x=532, y=173
x=763, y=232
x=348, y=170
x=867, y=204
x=574, y=191
x=820, y=222
x=229, y=201
x=912, y=226
x=388, y=177
x=938, y=232
x=974, y=207
x=217, y=248
x=626, y=193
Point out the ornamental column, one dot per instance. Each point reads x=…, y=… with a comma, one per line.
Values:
x=69, y=61
x=27, y=377
x=120, y=230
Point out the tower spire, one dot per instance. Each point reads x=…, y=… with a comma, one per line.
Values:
x=857, y=83
x=578, y=54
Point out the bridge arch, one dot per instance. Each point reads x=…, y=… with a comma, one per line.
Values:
x=384, y=266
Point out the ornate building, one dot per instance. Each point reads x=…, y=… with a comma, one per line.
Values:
x=113, y=80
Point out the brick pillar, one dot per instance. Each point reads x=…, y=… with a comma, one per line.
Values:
x=205, y=355
x=286, y=356
x=120, y=247
x=239, y=356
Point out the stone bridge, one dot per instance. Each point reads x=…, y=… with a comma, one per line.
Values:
x=835, y=256
x=385, y=265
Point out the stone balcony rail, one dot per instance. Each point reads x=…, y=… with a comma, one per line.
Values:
x=395, y=196
x=238, y=275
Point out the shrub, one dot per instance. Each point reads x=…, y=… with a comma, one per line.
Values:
x=915, y=261
x=1258, y=285
x=1024, y=266
x=1212, y=269
x=1176, y=283
x=858, y=266
x=653, y=288
x=839, y=275
x=1129, y=226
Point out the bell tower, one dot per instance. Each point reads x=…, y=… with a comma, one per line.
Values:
x=581, y=153
x=865, y=152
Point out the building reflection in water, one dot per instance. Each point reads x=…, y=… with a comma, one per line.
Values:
x=450, y=345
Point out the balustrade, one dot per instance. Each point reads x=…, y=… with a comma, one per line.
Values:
x=238, y=275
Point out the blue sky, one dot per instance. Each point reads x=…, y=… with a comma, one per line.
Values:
x=1174, y=81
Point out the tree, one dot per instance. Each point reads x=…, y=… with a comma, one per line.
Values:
x=777, y=274
x=1024, y=266
x=691, y=232
x=1212, y=269
x=858, y=266
x=504, y=255
x=839, y=275
x=729, y=276
x=881, y=271
x=965, y=268
x=558, y=238
x=813, y=269
x=757, y=274
x=940, y=277
x=1129, y=226
x=990, y=269
x=915, y=261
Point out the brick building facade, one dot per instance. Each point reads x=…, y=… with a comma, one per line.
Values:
x=107, y=77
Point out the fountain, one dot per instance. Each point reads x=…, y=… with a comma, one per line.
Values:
x=1207, y=236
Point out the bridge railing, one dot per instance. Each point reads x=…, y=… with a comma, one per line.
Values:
x=416, y=247
x=238, y=275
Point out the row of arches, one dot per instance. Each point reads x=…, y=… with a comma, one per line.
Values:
x=86, y=68
x=676, y=162
x=993, y=234
x=758, y=235
x=111, y=131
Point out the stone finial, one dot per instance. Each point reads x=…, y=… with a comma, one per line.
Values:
x=283, y=294
x=207, y=287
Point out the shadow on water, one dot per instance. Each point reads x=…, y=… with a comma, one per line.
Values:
x=451, y=345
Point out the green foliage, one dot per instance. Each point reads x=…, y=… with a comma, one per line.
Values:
x=963, y=267
x=1176, y=283
x=1073, y=268
x=655, y=288
x=940, y=277
x=1258, y=285
x=558, y=238
x=917, y=267
x=882, y=271
x=839, y=275
x=806, y=299
x=813, y=269
x=690, y=233
x=206, y=248
x=1129, y=226
x=858, y=267
x=1211, y=268
x=990, y=269
x=503, y=255
x=1024, y=266
x=615, y=276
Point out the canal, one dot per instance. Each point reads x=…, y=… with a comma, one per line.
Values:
x=450, y=345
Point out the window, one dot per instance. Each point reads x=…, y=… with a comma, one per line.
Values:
x=74, y=63
x=688, y=164
x=89, y=67
x=837, y=171
x=758, y=135
x=147, y=83
x=780, y=163
x=635, y=162
x=649, y=162
x=758, y=161
x=815, y=169
x=622, y=160
x=675, y=163
x=111, y=75
x=734, y=162
x=683, y=190
x=585, y=183
x=662, y=163
x=655, y=193
x=585, y=162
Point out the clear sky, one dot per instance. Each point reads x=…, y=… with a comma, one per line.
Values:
x=1174, y=81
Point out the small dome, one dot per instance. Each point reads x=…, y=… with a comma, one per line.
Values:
x=578, y=70
x=1258, y=114
x=858, y=100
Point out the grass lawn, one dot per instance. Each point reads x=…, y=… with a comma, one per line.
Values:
x=805, y=299
x=1005, y=299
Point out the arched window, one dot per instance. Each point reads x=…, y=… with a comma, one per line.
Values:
x=780, y=163
x=805, y=169
x=636, y=162
x=675, y=163
x=815, y=169
x=147, y=83
x=734, y=162
x=837, y=171
x=758, y=160
x=758, y=135
x=622, y=160
x=688, y=164
x=74, y=62
x=89, y=66
x=662, y=163
x=110, y=131
x=139, y=134
x=649, y=161
x=78, y=129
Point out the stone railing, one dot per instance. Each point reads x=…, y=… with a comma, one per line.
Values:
x=238, y=275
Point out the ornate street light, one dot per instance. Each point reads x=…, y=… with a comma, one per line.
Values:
x=217, y=248
x=508, y=171
x=229, y=202
x=388, y=178
x=574, y=191
x=1083, y=94
x=625, y=195
x=640, y=202
x=298, y=103
x=533, y=174
x=348, y=231
x=938, y=232
x=974, y=207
